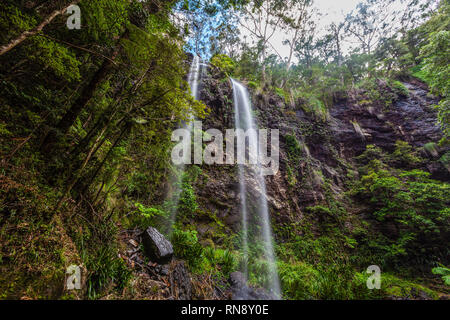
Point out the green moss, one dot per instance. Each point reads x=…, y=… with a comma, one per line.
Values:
x=400, y=89
x=394, y=286
x=419, y=73
x=432, y=149
x=294, y=148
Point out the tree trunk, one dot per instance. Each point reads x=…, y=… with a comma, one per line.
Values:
x=122, y=134
x=12, y=44
x=291, y=50
x=263, y=70
x=88, y=92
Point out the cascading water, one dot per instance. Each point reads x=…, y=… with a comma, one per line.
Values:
x=194, y=76
x=254, y=208
x=194, y=79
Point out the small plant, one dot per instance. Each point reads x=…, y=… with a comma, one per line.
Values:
x=372, y=153
x=291, y=176
x=294, y=148
x=187, y=247
x=144, y=217
x=252, y=85
x=400, y=89
x=419, y=73
x=282, y=94
x=432, y=149
x=405, y=155
x=444, y=272
x=220, y=258
x=105, y=269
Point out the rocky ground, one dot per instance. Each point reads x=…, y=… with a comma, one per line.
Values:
x=167, y=278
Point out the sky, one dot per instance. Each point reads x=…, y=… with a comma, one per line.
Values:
x=329, y=11
x=334, y=10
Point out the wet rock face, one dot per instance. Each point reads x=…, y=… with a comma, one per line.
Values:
x=217, y=93
x=410, y=119
x=241, y=291
x=156, y=246
x=417, y=116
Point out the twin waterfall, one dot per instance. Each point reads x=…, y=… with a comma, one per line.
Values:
x=258, y=258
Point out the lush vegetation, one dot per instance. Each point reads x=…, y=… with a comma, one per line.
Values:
x=85, y=139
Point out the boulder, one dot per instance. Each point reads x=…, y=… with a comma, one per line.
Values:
x=156, y=246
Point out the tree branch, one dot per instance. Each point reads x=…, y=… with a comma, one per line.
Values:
x=12, y=44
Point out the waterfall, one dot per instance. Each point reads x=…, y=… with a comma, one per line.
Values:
x=196, y=72
x=254, y=208
x=194, y=76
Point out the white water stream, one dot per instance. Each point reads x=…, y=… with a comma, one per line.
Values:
x=256, y=226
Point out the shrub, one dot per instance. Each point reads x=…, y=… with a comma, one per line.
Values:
x=282, y=94
x=187, y=247
x=400, y=89
x=444, y=272
x=404, y=155
x=435, y=70
x=221, y=259
x=416, y=204
x=297, y=280
x=224, y=63
x=252, y=84
x=372, y=152
x=432, y=149
x=419, y=73
x=187, y=205
x=445, y=160
x=144, y=217
x=104, y=269
x=383, y=91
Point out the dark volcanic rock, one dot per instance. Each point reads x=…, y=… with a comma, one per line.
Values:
x=180, y=282
x=156, y=246
x=410, y=119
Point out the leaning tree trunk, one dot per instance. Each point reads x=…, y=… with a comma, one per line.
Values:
x=87, y=94
x=26, y=34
